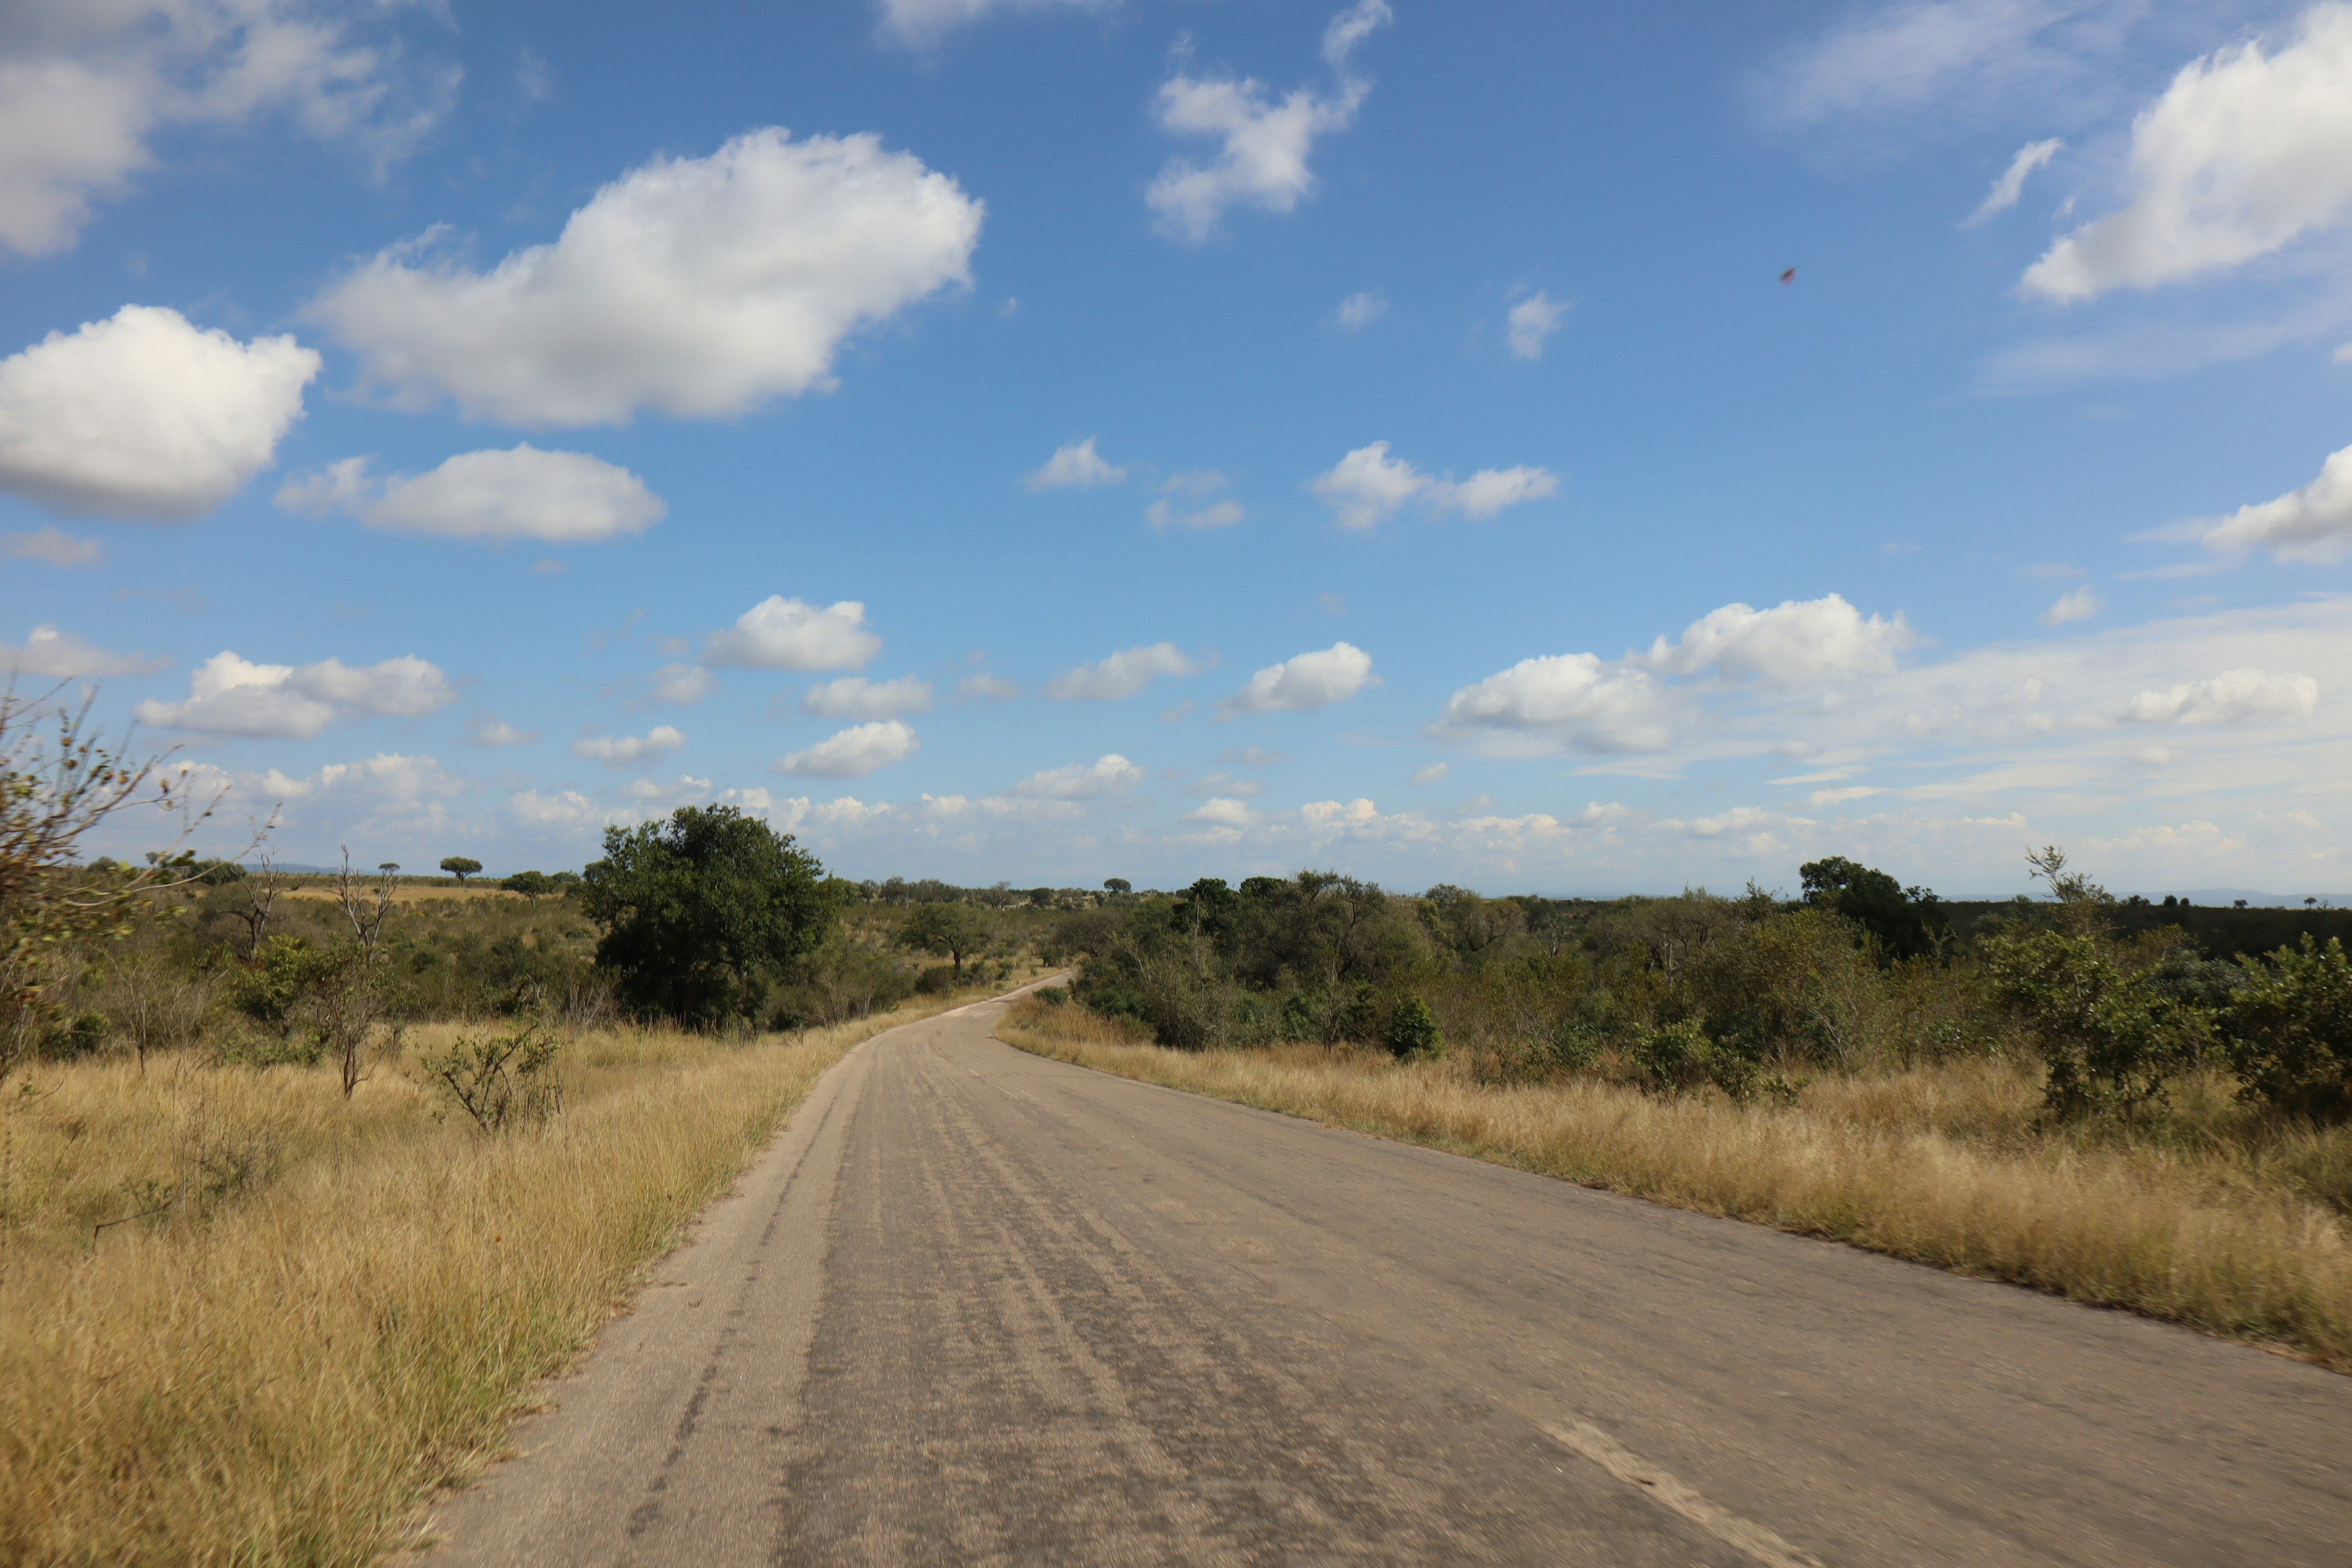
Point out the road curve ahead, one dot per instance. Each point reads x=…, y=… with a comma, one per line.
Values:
x=975, y=1307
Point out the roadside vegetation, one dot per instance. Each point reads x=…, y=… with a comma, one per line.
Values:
x=305, y=1179
x=2072, y=1092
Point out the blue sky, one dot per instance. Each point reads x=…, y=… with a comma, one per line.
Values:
x=1050, y=441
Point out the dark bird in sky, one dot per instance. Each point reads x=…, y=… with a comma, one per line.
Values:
x=1788, y=277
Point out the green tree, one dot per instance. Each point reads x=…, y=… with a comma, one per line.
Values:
x=955, y=931
x=1413, y=1030
x=701, y=911
x=1118, y=885
x=2290, y=1032
x=1907, y=922
x=531, y=885
x=461, y=868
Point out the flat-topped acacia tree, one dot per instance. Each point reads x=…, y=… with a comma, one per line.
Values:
x=461, y=868
x=701, y=911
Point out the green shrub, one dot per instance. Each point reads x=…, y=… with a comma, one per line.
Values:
x=1677, y=1058
x=2110, y=1034
x=1413, y=1030
x=2290, y=1032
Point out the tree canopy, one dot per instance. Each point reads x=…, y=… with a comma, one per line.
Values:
x=955, y=931
x=700, y=912
x=461, y=867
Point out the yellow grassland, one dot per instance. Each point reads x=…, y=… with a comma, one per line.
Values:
x=2198, y=1219
x=337, y=1306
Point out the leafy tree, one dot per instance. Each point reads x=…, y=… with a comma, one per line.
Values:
x=461, y=868
x=2290, y=1029
x=531, y=885
x=1118, y=885
x=1413, y=1030
x=1907, y=922
x=701, y=911
x=955, y=931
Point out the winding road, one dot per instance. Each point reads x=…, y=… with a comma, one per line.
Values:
x=976, y=1307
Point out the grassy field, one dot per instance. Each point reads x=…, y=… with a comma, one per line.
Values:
x=2205, y=1216
x=333, y=1307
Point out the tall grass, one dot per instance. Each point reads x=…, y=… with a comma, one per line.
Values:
x=336, y=1306
x=2200, y=1220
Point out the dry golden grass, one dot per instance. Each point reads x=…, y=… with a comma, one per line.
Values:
x=1948, y=1166
x=346, y=1302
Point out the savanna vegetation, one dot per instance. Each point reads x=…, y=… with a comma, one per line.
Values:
x=305, y=1178
x=2072, y=1092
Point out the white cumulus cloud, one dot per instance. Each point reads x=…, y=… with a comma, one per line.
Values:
x=2233, y=697
x=1532, y=320
x=1358, y=312
x=61, y=655
x=2080, y=604
x=2007, y=189
x=2244, y=153
x=679, y=685
x=1303, y=684
x=228, y=695
x=698, y=287
x=2314, y=523
x=1222, y=811
x=1108, y=774
x=919, y=23
x=1572, y=699
x=495, y=732
x=1368, y=486
x=84, y=87
x=144, y=415
x=628, y=751
x=1267, y=143
x=556, y=497
x=1075, y=463
x=854, y=697
x=1122, y=674
x=987, y=687
x=854, y=752
x=1795, y=642
x=778, y=633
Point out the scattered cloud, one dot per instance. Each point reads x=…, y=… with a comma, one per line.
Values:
x=1573, y=700
x=1163, y=514
x=1532, y=320
x=1122, y=674
x=1358, y=312
x=1075, y=463
x=854, y=697
x=1225, y=783
x=697, y=287
x=86, y=87
x=2246, y=152
x=918, y=24
x=1251, y=756
x=1222, y=812
x=778, y=633
x=679, y=685
x=2233, y=697
x=1368, y=486
x=1108, y=774
x=2080, y=604
x=144, y=415
x=1434, y=773
x=630, y=751
x=986, y=686
x=557, y=497
x=2012, y=184
x=1795, y=642
x=1267, y=143
x=61, y=655
x=2314, y=523
x=55, y=546
x=228, y=695
x=1303, y=684
x=488, y=730
x=854, y=752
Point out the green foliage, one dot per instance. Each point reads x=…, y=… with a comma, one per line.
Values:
x=460, y=867
x=702, y=913
x=1116, y=884
x=531, y=885
x=1677, y=1058
x=2109, y=1034
x=1413, y=1030
x=954, y=930
x=2290, y=1032
x=1903, y=922
x=501, y=1082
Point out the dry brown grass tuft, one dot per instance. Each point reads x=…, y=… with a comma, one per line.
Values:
x=1947, y=1165
x=336, y=1307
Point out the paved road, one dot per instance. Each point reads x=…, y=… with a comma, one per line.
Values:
x=979, y=1307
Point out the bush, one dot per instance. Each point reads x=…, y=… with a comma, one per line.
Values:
x=502, y=1081
x=1677, y=1058
x=1413, y=1030
x=2290, y=1032
x=2110, y=1034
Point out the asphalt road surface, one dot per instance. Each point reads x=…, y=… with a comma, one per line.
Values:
x=975, y=1307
